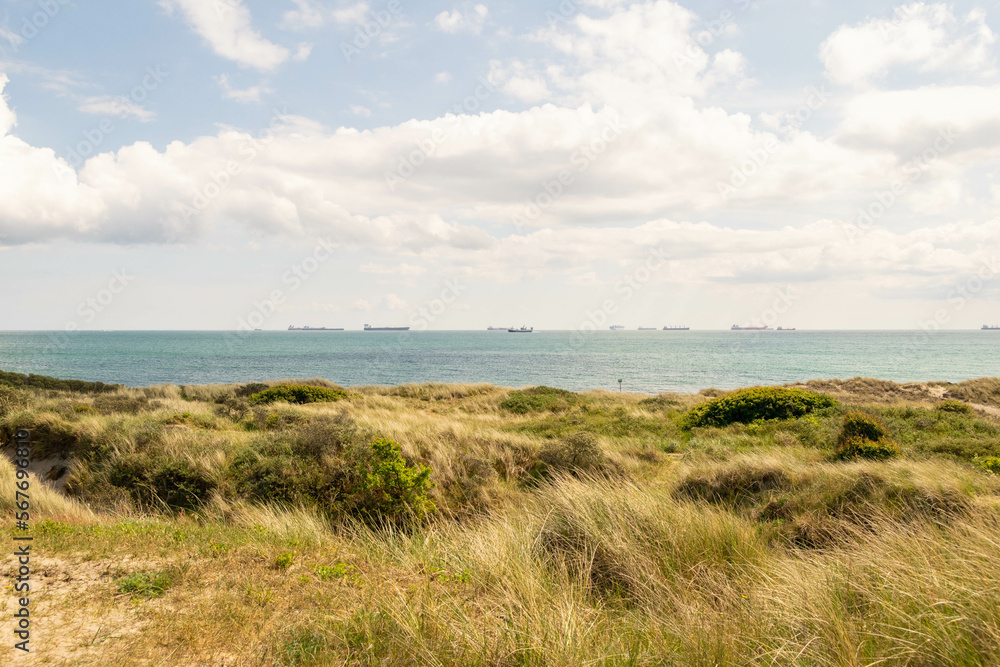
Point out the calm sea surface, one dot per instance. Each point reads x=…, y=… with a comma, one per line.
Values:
x=649, y=362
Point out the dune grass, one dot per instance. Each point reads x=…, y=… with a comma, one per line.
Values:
x=567, y=529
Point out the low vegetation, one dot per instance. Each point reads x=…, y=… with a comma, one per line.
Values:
x=756, y=404
x=839, y=522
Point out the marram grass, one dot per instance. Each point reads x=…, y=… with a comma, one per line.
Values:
x=596, y=529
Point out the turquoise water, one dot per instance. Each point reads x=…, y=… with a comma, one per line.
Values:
x=649, y=362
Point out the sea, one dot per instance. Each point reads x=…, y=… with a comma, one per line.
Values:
x=632, y=361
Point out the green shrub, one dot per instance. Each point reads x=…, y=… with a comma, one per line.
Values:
x=578, y=451
x=857, y=447
x=862, y=425
x=330, y=572
x=955, y=406
x=756, y=403
x=295, y=393
x=284, y=561
x=45, y=382
x=382, y=488
x=145, y=584
x=538, y=399
x=175, y=483
x=991, y=464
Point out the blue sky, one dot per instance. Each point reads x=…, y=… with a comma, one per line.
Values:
x=479, y=163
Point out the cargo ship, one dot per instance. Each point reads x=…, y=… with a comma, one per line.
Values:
x=677, y=328
x=369, y=327
x=523, y=329
x=292, y=328
x=498, y=328
x=647, y=328
x=991, y=327
x=737, y=327
x=786, y=329
x=618, y=327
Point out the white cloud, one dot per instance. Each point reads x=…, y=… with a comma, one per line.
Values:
x=470, y=20
x=361, y=111
x=401, y=270
x=310, y=15
x=927, y=36
x=122, y=107
x=442, y=77
x=361, y=305
x=226, y=26
x=393, y=302
x=248, y=95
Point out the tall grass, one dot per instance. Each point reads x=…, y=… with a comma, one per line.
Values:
x=590, y=531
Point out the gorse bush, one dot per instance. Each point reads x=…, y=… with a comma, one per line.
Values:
x=954, y=406
x=298, y=393
x=862, y=448
x=865, y=436
x=538, y=399
x=862, y=425
x=754, y=404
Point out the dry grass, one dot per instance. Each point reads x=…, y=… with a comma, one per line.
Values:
x=743, y=545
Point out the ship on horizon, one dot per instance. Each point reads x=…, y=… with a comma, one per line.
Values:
x=647, y=328
x=369, y=327
x=618, y=327
x=786, y=328
x=991, y=327
x=677, y=328
x=295, y=328
x=523, y=329
x=737, y=327
x=499, y=328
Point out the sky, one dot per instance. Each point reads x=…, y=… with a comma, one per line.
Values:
x=227, y=164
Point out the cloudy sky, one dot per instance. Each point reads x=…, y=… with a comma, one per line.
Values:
x=195, y=164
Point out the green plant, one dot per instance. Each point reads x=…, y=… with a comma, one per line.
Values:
x=576, y=452
x=330, y=572
x=538, y=399
x=991, y=464
x=284, y=561
x=954, y=406
x=291, y=393
x=145, y=584
x=861, y=448
x=381, y=487
x=863, y=425
x=754, y=404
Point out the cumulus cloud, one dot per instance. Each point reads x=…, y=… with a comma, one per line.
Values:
x=227, y=27
x=470, y=20
x=928, y=37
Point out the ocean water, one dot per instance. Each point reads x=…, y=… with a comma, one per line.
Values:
x=647, y=362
